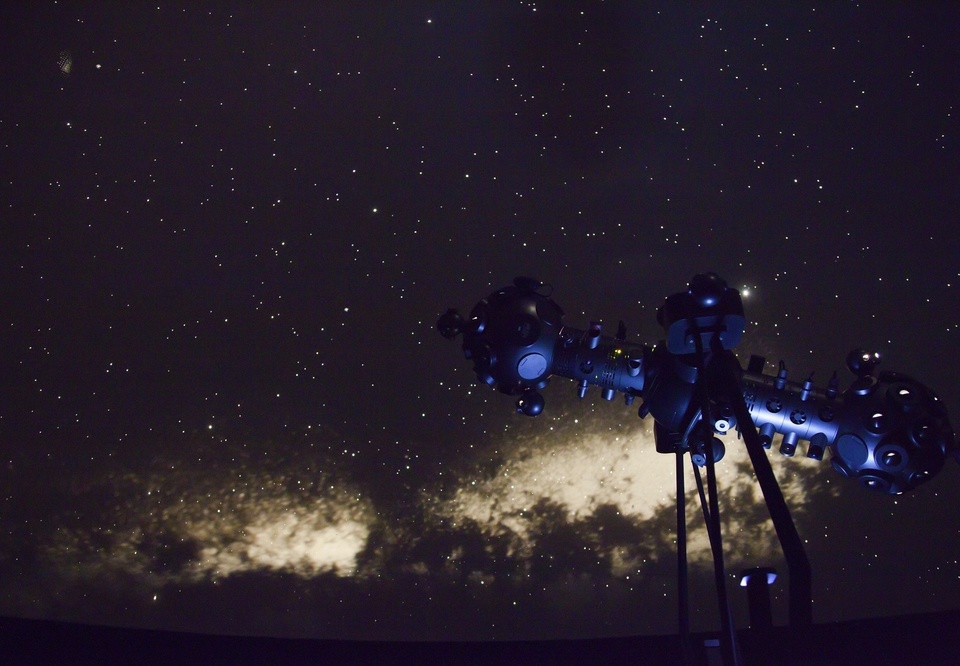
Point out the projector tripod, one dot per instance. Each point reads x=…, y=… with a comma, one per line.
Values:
x=718, y=383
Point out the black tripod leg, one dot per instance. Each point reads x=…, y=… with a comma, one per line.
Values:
x=801, y=613
x=667, y=441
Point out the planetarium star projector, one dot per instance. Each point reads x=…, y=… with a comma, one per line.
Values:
x=888, y=431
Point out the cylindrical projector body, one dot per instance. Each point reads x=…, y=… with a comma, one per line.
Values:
x=890, y=432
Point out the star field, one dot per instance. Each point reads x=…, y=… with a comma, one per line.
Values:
x=229, y=231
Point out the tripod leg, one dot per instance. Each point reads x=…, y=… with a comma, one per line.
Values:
x=683, y=590
x=801, y=612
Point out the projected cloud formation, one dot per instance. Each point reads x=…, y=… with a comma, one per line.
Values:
x=612, y=492
x=188, y=522
x=602, y=480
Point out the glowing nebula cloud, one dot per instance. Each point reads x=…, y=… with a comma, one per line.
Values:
x=292, y=543
x=307, y=543
x=190, y=525
x=65, y=62
x=551, y=515
x=598, y=470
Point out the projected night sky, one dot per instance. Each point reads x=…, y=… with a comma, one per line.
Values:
x=229, y=232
